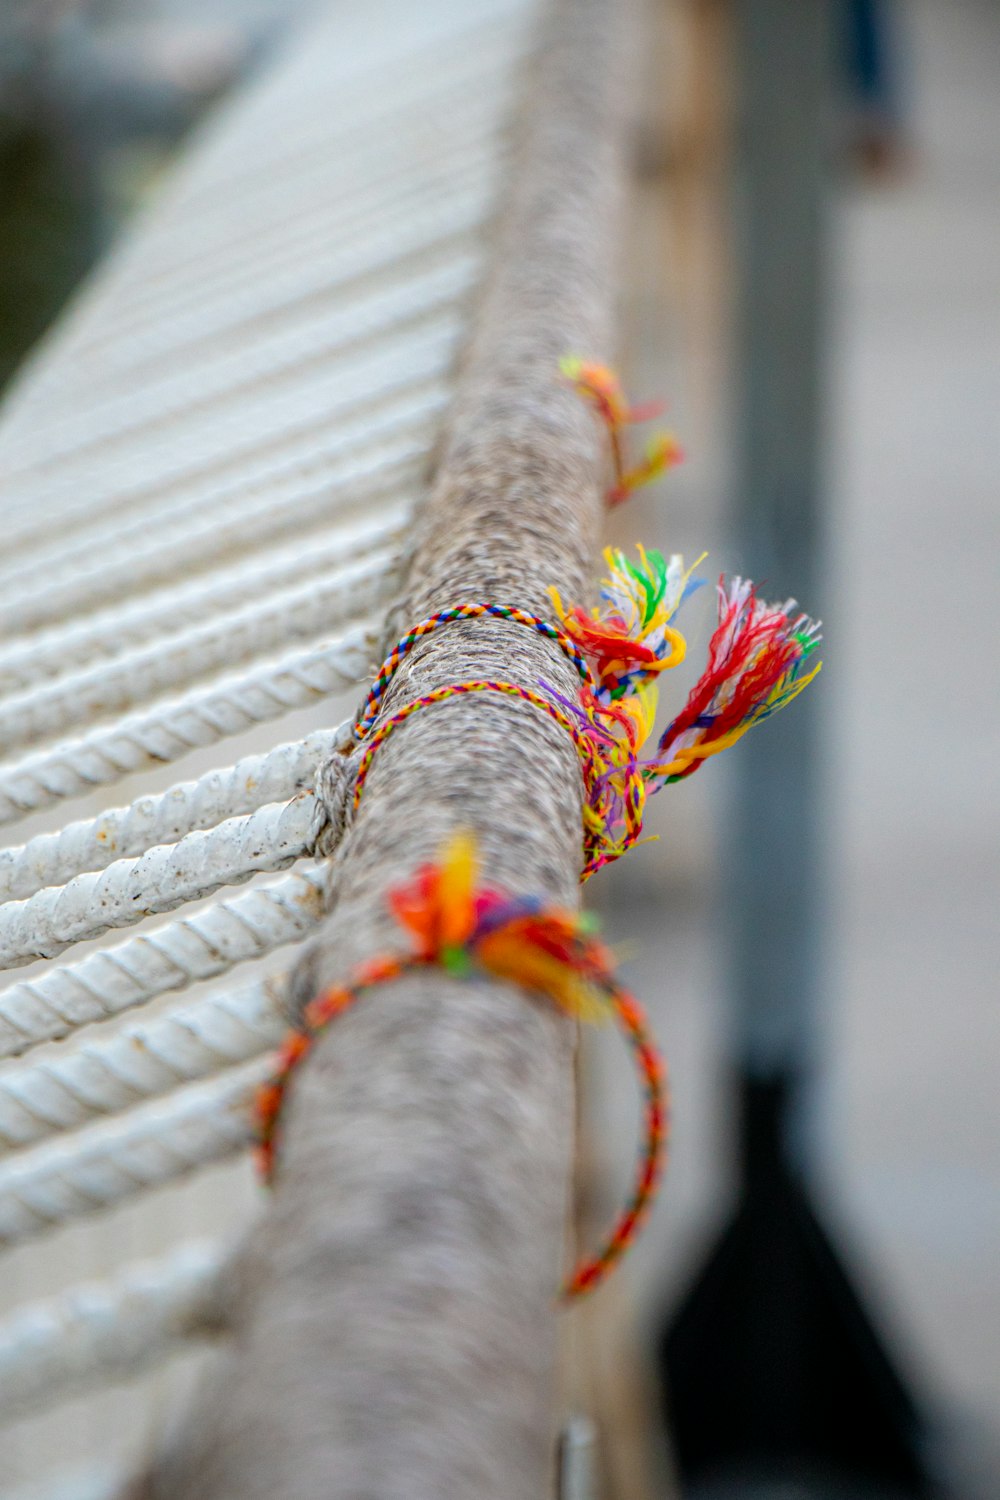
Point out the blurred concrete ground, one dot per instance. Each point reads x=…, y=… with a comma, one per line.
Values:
x=909, y=1114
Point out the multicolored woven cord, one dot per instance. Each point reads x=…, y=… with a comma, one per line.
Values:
x=597, y=851
x=405, y=644
x=457, y=925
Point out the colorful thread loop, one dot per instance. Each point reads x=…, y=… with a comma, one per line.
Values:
x=464, y=928
x=405, y=644
x=599, y=386
x=561, y=712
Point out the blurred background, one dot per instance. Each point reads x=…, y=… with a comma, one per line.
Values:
x=869, y=854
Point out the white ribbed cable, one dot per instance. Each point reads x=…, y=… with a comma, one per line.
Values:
x=439, y=227
x=275, y=775
x=171, y=875
x=203, y=452
x=323, y=223
x=186, y=951
x=28, y=660
x=53, y=390
x=366, y=121
x=330, y=331
x=274, y=499
x=168, y=730
x=116, y=1159
x=241, y=635
x=75, y=1086
x=365, y=108
x=101, y=1332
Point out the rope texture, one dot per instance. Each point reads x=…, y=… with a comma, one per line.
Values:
x=169, y=731
x=184, y=952
x=277, y=775
x=93, y=1169
x=109, y=1076
x=109, y=1330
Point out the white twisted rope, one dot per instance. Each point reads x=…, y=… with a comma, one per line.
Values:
x=211, y=434
x=238, y=415
x=57, y=651
x=201, y=529
x=322, y=231
x=170, y=729
x=102, y=1332
x=333, y=337
x=393, y=185
x=115, y=1159
x=480, y=61
x=159, y=881
x=278, y=775
x=244, y=634
x=111, y=1075
x=179, y=480
x=182, y=952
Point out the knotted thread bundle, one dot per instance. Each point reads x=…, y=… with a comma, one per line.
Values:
x=456, y=924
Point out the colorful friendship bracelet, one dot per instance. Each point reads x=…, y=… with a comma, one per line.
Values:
x=597, y=852
x=463, y=928
x=405, y=644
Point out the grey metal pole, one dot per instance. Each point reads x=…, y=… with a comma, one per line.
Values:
x=774, y=889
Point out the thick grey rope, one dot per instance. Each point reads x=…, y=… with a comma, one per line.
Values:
x=399, y=1338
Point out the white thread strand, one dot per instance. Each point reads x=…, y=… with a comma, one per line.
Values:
x=159, y=881
x=278, y=775
x=93, y=1169
x=169, y=730
x=243, y=634
x=105, y=1077
x=189, y=949
x=107, y=1331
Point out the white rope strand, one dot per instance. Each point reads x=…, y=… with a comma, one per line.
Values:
x=333, y=336
x=169, y=730
x=183, y=952
x=322, y=230
x=115, y=1159
x=278, y=775
x=243, y=634
x=269, y=502
x=108, y=1076
x=59, y=650
x=174, y=472
x=159, y=881
x=102, y=1332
